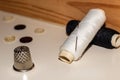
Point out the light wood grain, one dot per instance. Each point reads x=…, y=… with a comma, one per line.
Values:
x=61, y=11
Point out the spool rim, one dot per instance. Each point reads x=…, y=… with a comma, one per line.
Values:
x=116, y=40
x=66, y=56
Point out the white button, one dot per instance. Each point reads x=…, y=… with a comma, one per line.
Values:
x=8, y=19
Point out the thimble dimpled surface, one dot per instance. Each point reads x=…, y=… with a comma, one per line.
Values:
x=22, y=58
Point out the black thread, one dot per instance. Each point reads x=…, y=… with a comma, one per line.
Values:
x=102, y=38
x=71, y=25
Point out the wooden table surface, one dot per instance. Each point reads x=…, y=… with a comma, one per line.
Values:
x=61, y=11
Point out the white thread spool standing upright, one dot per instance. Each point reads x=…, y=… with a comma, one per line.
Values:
x=85, y=32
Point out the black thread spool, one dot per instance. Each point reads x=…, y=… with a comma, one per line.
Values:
x=104, y=37
x=71, y=25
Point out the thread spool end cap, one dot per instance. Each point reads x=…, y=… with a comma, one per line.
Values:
x=65, y=56
x=116, y=40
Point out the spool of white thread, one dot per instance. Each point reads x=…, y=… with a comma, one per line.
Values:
x=85, y=32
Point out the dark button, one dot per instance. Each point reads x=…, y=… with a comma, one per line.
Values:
x=26, y=39
x=20, y=27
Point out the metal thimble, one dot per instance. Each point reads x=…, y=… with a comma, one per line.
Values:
x=22, y=59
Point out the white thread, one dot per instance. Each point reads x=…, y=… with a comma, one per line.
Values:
x=85, y=32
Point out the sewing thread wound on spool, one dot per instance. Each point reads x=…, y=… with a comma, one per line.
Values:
x=105, y=37
x=71, y=25
x=86, y=31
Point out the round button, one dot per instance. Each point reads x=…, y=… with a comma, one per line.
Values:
x=26, y=39
x=9, y=38
x=39, y=30
x=20, y=27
